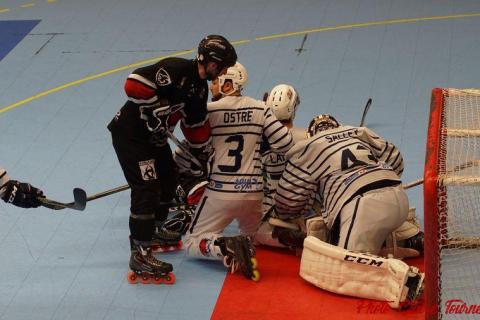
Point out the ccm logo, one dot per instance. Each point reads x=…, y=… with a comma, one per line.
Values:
x=363, y=260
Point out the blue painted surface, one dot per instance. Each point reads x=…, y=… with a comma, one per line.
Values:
x=65, y=265
x=12, y=32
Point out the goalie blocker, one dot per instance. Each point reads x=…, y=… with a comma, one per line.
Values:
x=361, y=275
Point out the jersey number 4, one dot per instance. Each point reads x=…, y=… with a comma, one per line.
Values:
x=349, y=160
x=236, y=153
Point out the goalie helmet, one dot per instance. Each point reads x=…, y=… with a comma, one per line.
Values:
x=283, y=99
x=215, y=48
x=237, y=74
x=321, y=123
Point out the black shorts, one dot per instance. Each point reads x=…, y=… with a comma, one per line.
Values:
x=150, y=171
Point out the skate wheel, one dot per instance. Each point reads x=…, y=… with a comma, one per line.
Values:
x=132, y=277
x=157, y=280
x=256, y=275
x=169, y=278
x=254, y=263
x=145, y=279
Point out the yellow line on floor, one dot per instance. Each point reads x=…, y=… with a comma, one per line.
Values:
x=92, y=77
x=283, y=35
x=368, y=24
x=28, y=5
x=4, y=10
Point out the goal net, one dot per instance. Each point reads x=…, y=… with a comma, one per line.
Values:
x=452, y=205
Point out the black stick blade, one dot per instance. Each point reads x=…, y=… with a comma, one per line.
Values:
x=80, y=199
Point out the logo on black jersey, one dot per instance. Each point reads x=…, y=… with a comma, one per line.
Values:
x=163, y=78
x=147, y=169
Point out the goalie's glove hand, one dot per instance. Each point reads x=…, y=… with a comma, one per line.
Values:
x=22, y=194
x=156, y=117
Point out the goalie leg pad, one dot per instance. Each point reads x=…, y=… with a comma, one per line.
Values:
x=357, y=274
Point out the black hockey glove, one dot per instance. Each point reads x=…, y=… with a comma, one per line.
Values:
x=156, y=117
x=22, y=194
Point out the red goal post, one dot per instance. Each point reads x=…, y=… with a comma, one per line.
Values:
x=452, y=205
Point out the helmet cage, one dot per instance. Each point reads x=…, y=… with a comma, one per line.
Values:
x=321, y=123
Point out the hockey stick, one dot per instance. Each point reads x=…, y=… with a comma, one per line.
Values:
x=365, y=111
x=79, y=202
x=457, y=168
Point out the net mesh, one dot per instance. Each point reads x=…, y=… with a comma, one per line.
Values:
x=458, y=199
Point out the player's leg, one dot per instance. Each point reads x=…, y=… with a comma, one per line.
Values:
x=360, y=275
x=367, y=220
x=405, y=241
x=212, y=215
x=138, y=165
x=164, y=239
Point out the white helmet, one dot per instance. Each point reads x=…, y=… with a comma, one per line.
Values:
x=283, y=99
x=237, y=74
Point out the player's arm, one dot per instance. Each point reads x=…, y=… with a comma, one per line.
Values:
x=277, y=135
x=383, y=150
x=3, y=180
x=18, y=193
x=295, y=188
x=142, y=88
x=197, y=131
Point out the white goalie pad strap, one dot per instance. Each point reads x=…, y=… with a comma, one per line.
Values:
x=317, y=228
x=354, y=274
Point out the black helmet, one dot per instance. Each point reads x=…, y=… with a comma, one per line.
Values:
x=215, y=48
x=321, y=123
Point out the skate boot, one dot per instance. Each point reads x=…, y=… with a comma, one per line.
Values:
x=145, y=268
x=239, y=254
x=414, y=288
x=165, y=240
x=415, y=242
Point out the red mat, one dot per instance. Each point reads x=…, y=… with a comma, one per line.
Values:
x=282, y=294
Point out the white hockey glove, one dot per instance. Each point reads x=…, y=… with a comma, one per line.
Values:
x=187, y=166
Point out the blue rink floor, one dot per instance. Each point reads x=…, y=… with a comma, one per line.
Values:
x=63, y=64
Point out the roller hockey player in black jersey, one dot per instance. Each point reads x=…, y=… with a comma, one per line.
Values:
x=19, y=194
x=159, y=96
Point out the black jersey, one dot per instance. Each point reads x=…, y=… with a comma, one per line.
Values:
x=173, y=82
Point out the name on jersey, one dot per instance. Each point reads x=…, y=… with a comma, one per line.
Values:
x=276, y=158
x=243, y=184
x=340, y=136
x=238, y=116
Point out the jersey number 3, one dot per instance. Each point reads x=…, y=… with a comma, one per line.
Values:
x=236, y=153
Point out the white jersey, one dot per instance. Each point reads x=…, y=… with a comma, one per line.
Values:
x=336, y=164
x=274, y=164
x=3, y=179
x=238, y=124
